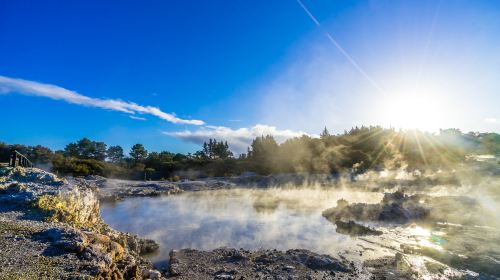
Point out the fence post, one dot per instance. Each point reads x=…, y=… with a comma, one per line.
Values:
x=12, y=160
x=18, y=159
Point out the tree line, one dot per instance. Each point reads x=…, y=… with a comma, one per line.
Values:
x=357, y=150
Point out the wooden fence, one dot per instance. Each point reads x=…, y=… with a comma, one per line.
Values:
x=18, y=159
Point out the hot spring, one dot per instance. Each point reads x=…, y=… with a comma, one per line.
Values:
x=280, y=219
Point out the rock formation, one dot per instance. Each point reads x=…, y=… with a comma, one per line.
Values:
x=59, y=219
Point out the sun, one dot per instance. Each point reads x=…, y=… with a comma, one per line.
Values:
x=412, y=111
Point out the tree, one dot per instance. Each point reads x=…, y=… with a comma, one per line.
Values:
x=115, y=154
x=215, y=150
x=200, y=155
x=138, y=153
x=99, y=151
x=263, y=154
x=226, y=153
x=490, y=143
x=249, y=153
x=210, y=152
x=40, y=155
x=85, y=148
x=179, y=157
x=205, y=150
x=71, y=150
x=221, y=150
x=325, y=133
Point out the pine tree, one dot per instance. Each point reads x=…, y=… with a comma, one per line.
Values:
x=115, y=154
x=325, y=133
x=205, y=148
x=138, y=153
x=210, y=148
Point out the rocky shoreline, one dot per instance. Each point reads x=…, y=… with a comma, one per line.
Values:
x=50, y=228
x=118, y=189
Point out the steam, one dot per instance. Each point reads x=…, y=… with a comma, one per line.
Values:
x=58, y=93
x=289, y=215
x=253, y=219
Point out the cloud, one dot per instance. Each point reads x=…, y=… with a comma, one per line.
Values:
x=137, y=118
x=492, y=120
x=238, y=139
x=25, y=87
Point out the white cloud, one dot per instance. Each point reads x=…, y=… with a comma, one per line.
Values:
x=492, y=120
x=58, y=93
x=238, y=139
x=137, y=118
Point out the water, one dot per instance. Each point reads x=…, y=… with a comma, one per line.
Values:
x=242, y=218
x=291, y=218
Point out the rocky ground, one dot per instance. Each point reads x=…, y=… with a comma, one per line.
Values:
x=50, y=228
x=226, y=263
x=27, y=251
x=117, y=189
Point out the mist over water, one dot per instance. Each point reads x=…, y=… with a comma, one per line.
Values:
x=242, y=218
x=464, y=235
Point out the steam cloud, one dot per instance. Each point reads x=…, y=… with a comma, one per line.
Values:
x=238, y=139
x=25, y=87
x=289, y=216
x=257, y=219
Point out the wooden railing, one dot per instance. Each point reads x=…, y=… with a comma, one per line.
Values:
x=18, y=159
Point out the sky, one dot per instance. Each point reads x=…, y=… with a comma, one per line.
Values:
x=171, y=74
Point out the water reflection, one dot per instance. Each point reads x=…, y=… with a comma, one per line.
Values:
x=250, y=219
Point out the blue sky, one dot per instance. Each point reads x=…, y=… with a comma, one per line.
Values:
x=243, y=68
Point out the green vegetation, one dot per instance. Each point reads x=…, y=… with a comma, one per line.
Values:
x=356, y=150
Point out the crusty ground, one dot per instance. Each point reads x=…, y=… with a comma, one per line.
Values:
x=26, y=254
